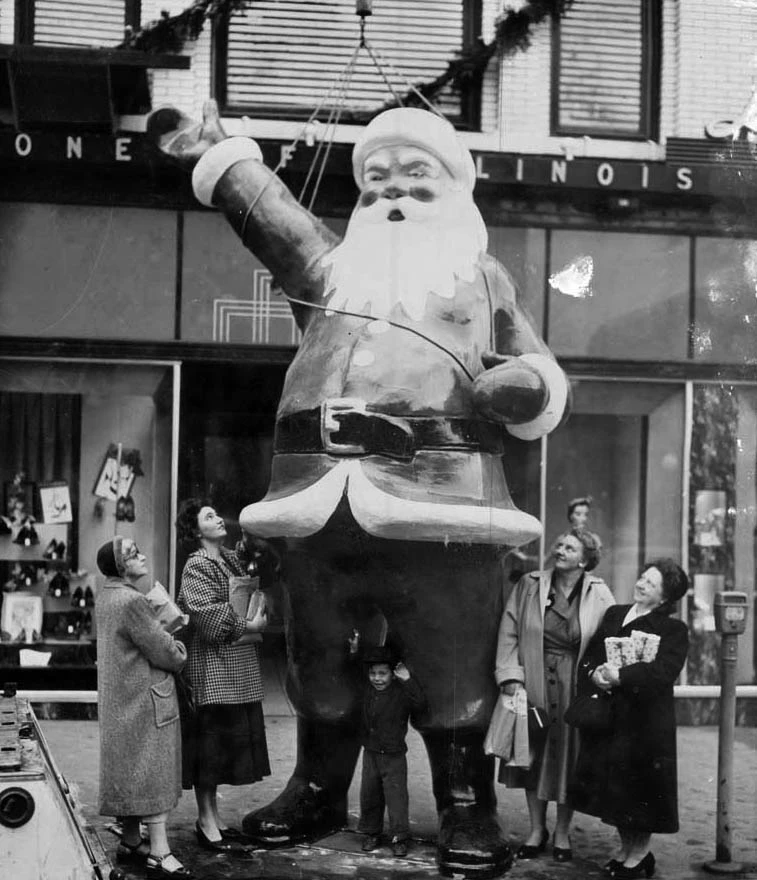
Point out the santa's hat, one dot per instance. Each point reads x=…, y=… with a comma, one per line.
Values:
x=410, y=126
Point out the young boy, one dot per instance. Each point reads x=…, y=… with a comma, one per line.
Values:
x=389, y=696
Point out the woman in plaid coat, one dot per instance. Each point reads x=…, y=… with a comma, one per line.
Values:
x=224, y=738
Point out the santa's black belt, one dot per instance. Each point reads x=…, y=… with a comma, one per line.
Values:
x=346, y=427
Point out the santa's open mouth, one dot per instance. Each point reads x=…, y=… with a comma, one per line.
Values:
x=394, y=215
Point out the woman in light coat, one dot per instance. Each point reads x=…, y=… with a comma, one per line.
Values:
x=548, y=621
x=140, y=745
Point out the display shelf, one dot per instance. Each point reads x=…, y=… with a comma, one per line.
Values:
x=12, y=552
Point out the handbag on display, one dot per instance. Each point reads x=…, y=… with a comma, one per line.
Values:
x=591, y=712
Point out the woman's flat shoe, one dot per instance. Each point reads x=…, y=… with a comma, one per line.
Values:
x=214, y=845
x=154, y=869
x=531, y=852
x=562, y=853
x=645, y=868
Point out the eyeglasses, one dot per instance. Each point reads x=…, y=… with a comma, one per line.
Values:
x=133, y=553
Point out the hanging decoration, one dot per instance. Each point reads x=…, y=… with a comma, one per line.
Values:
x=513, y=32
x=169, y=33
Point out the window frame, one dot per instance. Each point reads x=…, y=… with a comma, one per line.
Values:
x=23, y=20
x=651, y=69
x=470, y=97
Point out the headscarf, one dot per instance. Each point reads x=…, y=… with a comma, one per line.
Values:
x=110, y=558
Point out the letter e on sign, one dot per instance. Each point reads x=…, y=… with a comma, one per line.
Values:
x=122, y=149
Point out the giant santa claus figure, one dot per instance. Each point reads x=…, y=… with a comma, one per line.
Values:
x=387, y=479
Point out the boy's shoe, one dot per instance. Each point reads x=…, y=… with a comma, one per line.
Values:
x=399, y=848
x=370, y=843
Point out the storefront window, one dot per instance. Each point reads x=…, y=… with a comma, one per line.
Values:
x=88, y=452
x=87, y=272
x=722, y=524
x=619, y=296
x=623, y=447
x=725, y=328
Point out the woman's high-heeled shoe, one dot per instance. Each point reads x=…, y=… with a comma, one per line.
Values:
x=531, y=852
x=562, y=853
x=611, y=866
x=645, y=868
x=213, y=845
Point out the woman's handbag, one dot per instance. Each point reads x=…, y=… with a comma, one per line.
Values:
x=592, y=713
x=507, y=736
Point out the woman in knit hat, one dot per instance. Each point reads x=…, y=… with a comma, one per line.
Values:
x=140, y=745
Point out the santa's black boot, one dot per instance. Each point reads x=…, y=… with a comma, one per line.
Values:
x=314, y=802
x=470, y=842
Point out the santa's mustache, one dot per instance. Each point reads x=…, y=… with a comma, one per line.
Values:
x=411, y=209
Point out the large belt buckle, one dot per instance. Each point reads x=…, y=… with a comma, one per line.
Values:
x=330, y=412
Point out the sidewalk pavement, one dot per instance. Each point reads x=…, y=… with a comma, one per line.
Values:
x=74, y=746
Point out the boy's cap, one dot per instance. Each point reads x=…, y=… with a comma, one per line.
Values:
x=380, y=654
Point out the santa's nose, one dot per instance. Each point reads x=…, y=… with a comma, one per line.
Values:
x=393, y=192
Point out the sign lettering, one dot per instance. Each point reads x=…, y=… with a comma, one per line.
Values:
x=492, y=168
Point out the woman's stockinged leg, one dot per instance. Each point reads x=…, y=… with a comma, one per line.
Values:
x=205, y=795
x=159, y=848
x=537, y=813
x=562, y=826
x=639, y=847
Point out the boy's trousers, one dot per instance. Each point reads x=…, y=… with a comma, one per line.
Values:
x=384, y=784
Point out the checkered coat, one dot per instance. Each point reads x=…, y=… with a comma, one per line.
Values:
x=219, y=671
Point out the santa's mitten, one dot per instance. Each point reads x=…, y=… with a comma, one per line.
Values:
x=182, y=139
x=511, y=391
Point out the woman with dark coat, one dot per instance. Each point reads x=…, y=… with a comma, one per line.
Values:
x=548, y=622
x=140, y=745
x=628, y=776
x=224, y=739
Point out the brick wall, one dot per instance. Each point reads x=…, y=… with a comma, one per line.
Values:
x=718, y=62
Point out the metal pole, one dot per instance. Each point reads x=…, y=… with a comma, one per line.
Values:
x=728, y=656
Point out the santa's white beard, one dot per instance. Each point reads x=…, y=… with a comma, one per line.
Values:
x=382, y=264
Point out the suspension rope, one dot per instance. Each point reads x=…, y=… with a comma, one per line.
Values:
x=327, y=308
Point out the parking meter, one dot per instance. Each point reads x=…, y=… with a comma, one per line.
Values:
x=730, y=621
x=730, y=612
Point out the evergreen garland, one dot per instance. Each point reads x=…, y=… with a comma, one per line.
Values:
x=169, y=33
x=512, y=33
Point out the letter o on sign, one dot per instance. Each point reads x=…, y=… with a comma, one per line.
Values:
x=16, y=807
x=605, y=174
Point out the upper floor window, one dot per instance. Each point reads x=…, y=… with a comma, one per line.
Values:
x=280, y=58
x=86, y=23
x=606, y=69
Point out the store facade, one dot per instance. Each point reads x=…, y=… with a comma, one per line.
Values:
x=138, y=317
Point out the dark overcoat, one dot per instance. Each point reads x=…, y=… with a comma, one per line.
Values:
x=628, y=777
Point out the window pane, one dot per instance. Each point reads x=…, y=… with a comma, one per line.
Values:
x=636, y=305
x=623, y=446
x=285, y=55
x=726, y=300
x=79, y=23
x=722, y=526
x=600, y=68
x=522, y=252
x=104, y=273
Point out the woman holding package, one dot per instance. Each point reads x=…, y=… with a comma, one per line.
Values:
x=140, y=746
x=548, y=621
x=224, y=739
x=628, y=775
